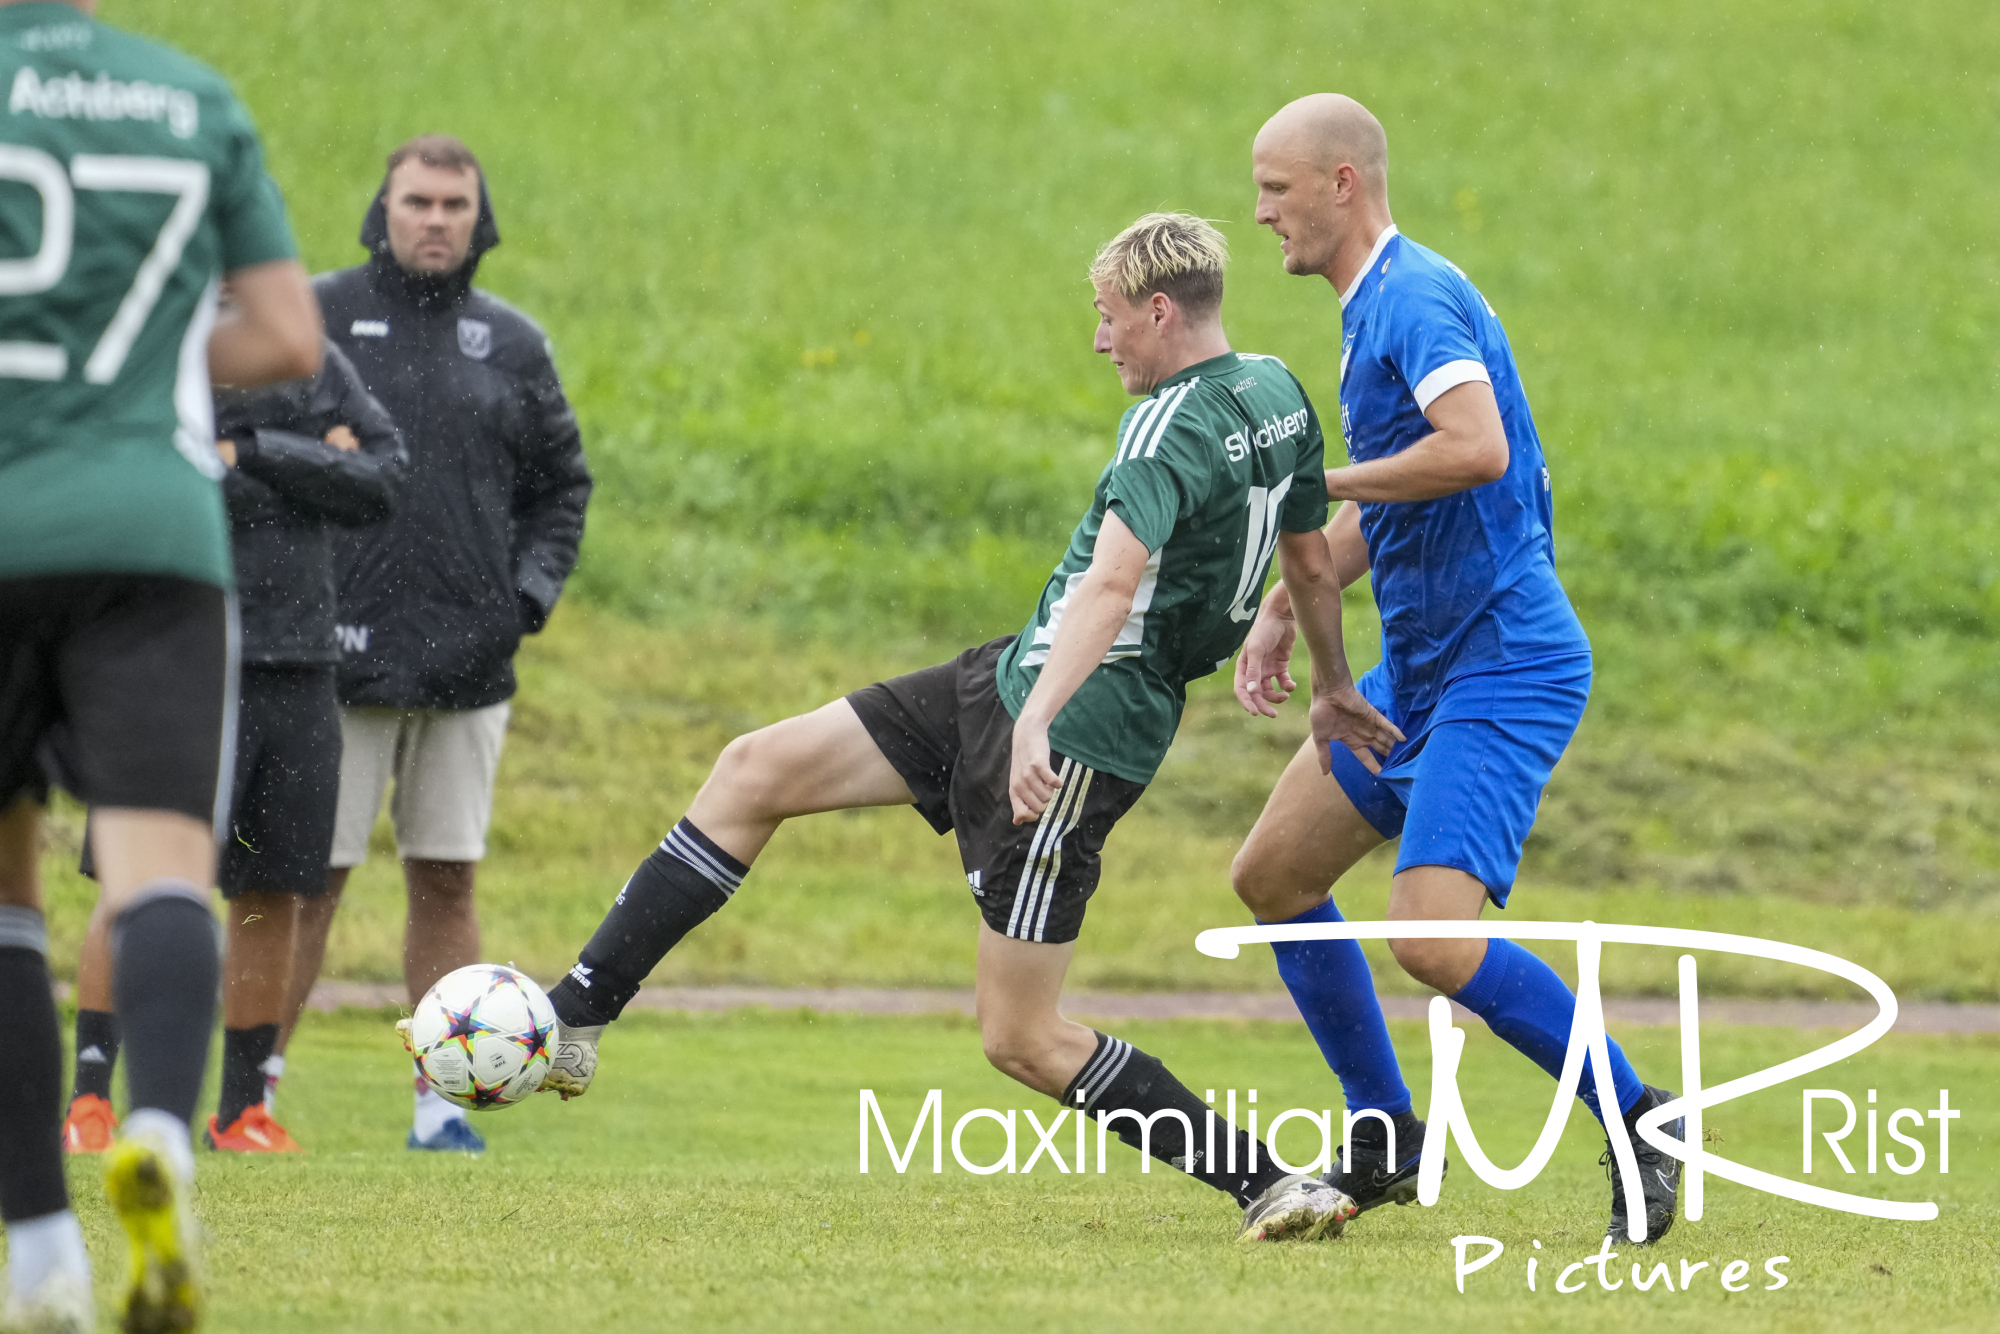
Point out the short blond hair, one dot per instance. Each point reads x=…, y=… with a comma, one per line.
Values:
x=1175, y=253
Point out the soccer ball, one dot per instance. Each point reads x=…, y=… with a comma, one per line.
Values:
x=481, y=1036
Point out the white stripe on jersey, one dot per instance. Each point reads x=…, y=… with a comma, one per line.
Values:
x=1135, y=427
x=1167, y=417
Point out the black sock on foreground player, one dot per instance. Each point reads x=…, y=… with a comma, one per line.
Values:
x=96, y=1053
x=166, y=967
x=31, y=1108
x=1119, y=1077
x=683, y=884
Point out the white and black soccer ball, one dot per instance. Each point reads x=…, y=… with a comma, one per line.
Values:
x=481, y=1036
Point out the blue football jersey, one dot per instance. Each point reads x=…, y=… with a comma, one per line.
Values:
x=1465, y=582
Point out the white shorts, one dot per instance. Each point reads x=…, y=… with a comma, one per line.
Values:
x=442, y=761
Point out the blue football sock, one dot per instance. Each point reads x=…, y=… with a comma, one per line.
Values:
x=1524, y=1001
x=1331, y=983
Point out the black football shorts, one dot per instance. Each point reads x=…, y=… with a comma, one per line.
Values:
x=946, y=732
x=117, y=688
x=287, y=783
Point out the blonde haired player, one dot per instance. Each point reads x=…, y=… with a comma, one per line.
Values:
x=1030, y=747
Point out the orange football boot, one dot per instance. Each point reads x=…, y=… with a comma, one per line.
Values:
x=90, y=1125
x=254, y=1132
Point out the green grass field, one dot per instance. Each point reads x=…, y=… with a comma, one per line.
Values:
x=710, y=1181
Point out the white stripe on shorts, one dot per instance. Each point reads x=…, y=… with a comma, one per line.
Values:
x=1036, y=891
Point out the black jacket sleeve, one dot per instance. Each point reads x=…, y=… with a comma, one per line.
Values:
x=251, y=503
x=347, y=487
x=551, y=488
x=344, y=399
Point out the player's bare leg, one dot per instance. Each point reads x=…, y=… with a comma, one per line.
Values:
x=1310, y=835
x=261, y=931
x=1015, y=998
x=1437, y=894
x=820, y=761
x=1091, y=1073
x=316, y=916
x=441, y=931
x=440, y=934
x=257, y=975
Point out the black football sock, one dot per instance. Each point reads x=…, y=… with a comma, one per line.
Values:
x=244, y=1051
x=31, y=1107
x=1120, y=1078
x=166, y=965
x=96, y=1053
x=683, y=884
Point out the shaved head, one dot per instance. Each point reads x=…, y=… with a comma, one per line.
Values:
x=1328, y=129
x=1321, y=166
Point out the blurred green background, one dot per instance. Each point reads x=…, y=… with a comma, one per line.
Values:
x=814, y=275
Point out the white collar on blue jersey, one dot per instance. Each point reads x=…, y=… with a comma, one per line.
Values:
x=1373, y=255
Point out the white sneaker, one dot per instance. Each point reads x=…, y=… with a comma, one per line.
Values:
x=572, y=1060
x=61, y=1305
x=1297, y=1208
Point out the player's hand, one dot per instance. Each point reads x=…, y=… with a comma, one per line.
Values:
x=225, y=449
x=343, y=439
x=1031, y=783
x=1263, y=668
x=1345, y=716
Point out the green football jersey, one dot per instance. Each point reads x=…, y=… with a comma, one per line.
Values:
x=1209, y=468
x=130, y=179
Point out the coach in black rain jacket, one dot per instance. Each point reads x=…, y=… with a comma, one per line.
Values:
x=434, y=602
x=287, y=487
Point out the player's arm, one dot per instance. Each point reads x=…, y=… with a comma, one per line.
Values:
x=1090, y=625
x=1339, y=711
x=1467, y=448
x=269, y=329
x=1263, y=668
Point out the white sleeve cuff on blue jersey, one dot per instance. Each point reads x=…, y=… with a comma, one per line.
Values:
x=1448, y=376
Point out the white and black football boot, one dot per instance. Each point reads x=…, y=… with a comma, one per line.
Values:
x=1296, y=1208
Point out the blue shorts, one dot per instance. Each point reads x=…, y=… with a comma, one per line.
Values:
x=1462, y=788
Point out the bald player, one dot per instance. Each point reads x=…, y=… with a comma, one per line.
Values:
x=1485, y=669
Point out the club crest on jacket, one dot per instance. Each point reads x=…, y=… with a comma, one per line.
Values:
x=475, y=338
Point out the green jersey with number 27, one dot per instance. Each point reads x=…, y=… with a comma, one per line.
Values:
x=1209, y=468
x=130, y=179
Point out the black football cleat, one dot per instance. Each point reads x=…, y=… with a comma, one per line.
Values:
x=1659, y=1174
x=1370, y=1179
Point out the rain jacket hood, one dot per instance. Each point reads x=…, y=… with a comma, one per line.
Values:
x=422, y=289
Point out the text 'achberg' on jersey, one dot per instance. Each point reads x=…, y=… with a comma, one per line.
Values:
x=71, y=97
